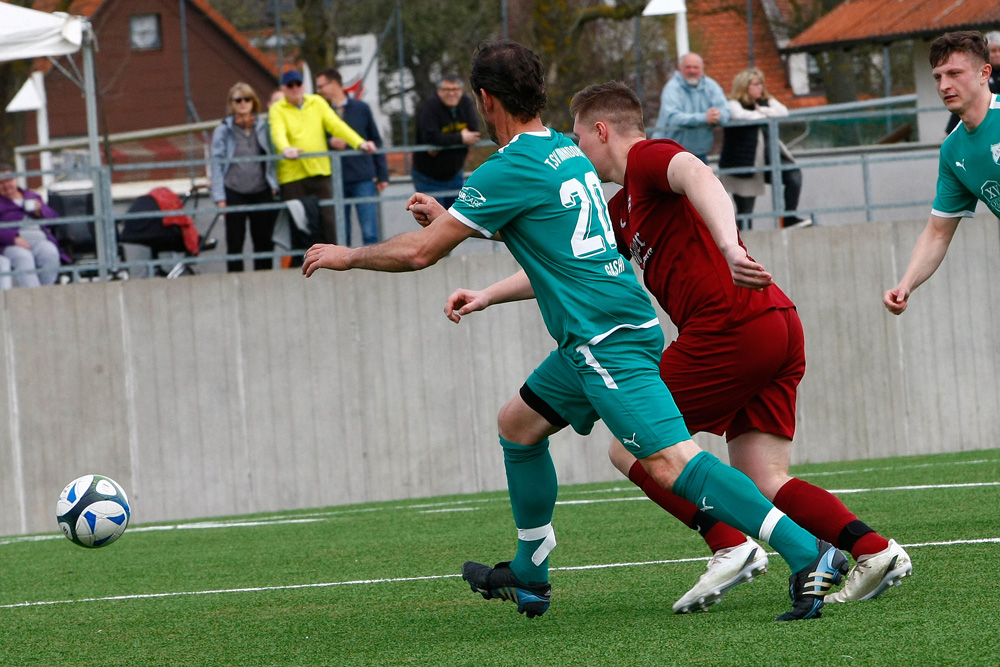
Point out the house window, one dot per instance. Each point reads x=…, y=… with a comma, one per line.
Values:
x=144, y=32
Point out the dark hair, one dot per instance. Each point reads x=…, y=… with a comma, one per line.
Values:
x=450, y=77
x=960, y=41
x=612, y=102
x=332, y=74
x=513, y=74
x=6, y=166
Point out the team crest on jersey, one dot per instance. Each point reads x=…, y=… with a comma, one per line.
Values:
x=995, y=150
x=991, y=195
x=471, y=197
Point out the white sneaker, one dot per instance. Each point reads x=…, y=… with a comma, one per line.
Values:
x=874, y=574
x=726, y=569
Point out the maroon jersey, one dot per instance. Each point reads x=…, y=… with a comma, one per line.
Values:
x=682, y=266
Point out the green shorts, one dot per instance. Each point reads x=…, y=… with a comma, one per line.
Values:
x=617, y=380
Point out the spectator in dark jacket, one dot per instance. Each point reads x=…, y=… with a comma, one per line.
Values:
x=30, y=246
x=447, y=119
x=749, y=146
x=364, y=175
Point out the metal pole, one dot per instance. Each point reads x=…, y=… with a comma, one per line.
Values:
x=888, y=85
x=638, y=56
x=277, y=32
x=188, y=104
x=101, y=206
x=750, y=30
x=402, y=65
x=503, y=13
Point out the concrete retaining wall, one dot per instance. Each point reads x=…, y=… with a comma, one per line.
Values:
x=227, y=394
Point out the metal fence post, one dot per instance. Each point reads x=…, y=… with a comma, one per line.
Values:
x=774, y=155
x=866, y=178
x=337, y=177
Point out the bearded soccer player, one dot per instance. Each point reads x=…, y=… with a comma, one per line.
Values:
x=969, y=163
x=541, y=195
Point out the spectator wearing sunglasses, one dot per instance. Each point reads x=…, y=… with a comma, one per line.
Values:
x=243, y=133
x=299, y=126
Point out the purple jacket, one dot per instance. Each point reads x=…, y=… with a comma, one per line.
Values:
x=11, y=212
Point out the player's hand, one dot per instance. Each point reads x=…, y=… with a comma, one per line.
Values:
x=381, y=185
x=337, y=144
x=368, y=147
x=464, y=301
x=895, y=299
x=325, y=256
x=290, y=153
x=425, y=209
x=746, y=272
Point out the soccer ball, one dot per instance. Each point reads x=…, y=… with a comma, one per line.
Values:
x=92, y=511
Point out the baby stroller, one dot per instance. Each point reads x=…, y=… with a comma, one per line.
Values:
x=175, y=233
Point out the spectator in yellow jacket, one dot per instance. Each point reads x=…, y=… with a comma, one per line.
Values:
x=299, y=125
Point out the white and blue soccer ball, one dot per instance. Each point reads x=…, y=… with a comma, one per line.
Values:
x=93, y=511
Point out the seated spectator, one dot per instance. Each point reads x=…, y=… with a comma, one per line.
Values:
x=749, y=146
x=30, y=246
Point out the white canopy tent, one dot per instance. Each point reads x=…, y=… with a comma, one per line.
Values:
x=27, y=33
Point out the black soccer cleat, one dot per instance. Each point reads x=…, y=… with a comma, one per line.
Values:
x=499, y=582
x=809, y=586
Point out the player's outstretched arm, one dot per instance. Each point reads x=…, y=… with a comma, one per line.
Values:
x=407, y=252
x=691, y=177
x=927, y=255
x=464, y=301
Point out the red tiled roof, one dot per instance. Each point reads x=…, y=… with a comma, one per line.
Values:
x=718, y=32
x=87, y=8
x=858, y=21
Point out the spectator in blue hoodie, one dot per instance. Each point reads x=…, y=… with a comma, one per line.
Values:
x=364, y=175
x=691, y=105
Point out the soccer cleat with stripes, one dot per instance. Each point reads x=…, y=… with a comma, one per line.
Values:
x=808, y=587
x=873, y=574
x=499, y=582
x=727, y=569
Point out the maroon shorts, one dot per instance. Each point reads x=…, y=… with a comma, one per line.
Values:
x=739, y=380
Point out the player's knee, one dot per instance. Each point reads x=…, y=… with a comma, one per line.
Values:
x=517, y=422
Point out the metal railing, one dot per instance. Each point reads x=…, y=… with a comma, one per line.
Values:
x=109, y=263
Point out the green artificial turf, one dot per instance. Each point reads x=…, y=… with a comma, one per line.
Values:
x=378, y=585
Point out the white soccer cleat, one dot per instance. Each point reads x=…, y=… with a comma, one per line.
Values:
x=726, y=569
x=874, y=574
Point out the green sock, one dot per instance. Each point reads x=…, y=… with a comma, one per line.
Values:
x=532, y=485
x=726, y=494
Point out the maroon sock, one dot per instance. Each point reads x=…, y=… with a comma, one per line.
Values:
x=825, y=516
x=716, y=534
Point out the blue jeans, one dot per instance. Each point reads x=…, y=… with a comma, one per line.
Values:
x=433, y=187
x=367, y=212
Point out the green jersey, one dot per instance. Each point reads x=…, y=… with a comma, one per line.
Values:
x=544, y=197
x=969, y=168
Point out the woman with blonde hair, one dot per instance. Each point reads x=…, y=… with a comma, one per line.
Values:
x=748, y=146
x=244, y=132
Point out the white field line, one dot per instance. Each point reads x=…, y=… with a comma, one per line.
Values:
x=396, y=580
x=315, y=517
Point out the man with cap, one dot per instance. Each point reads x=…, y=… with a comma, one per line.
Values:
x=299, y=126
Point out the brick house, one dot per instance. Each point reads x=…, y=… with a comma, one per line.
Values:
x=858, y=22
x=140, y=74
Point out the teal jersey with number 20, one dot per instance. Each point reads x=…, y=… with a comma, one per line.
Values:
x=544, y=197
